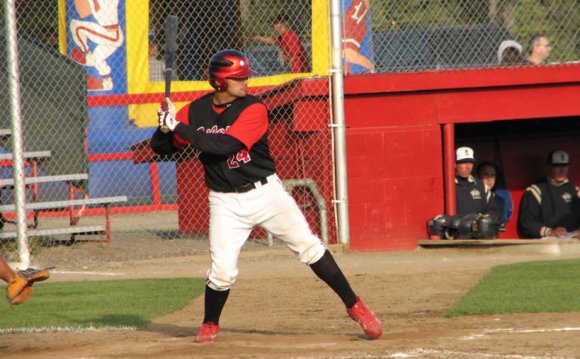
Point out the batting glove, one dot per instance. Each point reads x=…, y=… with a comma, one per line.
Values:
x=170, y=106
x=168, y=120
x=166, y=115
x=166, y=106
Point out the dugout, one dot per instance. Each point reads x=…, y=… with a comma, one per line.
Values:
x=403, y=128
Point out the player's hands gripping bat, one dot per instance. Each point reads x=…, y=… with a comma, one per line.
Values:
x=166, y=114
x=170, y=49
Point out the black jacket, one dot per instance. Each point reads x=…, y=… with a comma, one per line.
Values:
x=470, y=195
x=545, y=205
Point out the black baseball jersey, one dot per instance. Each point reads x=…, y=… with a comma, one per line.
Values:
x=547, y=205
x=232, y=139
x=470, y=196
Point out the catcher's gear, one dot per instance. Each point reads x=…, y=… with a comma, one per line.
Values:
x=19, y=287
x=485, y=228
x=436, y=226
x=467, y=226
x=470, y=226
x=228, y=64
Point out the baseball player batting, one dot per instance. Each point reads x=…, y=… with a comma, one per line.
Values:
x=229, y=129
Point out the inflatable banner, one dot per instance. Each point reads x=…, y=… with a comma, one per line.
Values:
x=357, y=47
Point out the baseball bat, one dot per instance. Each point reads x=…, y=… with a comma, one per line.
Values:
x=170, y=49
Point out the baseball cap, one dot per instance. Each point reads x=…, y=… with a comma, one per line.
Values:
x=464, y=155
x=558, y=158
x=504, y=45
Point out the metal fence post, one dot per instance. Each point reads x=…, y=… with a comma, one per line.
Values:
x=16, y=121
x=338, y=124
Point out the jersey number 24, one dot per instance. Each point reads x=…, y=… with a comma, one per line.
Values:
x=242, y=156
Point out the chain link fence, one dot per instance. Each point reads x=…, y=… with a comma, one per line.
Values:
x=91, y=83
x=449, y=34
x=92, y=79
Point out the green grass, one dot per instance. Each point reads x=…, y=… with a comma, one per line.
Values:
x=99, y=304
x=532, y=287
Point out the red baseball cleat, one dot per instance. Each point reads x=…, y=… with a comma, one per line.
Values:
x=207, y=333
x=368, y=321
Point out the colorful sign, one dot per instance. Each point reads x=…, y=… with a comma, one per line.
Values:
x=357, y=47
x=95, y=39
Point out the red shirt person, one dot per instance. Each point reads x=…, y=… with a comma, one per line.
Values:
x=292, y=50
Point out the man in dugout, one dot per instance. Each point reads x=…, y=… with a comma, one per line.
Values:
x=551, y=206
x=470, y=191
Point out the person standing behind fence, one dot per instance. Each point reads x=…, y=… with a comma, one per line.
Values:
x=539, y=49
x=229, y=128
x=509, y=53
x=293, y=51
x=156, y=65
x=551, y=206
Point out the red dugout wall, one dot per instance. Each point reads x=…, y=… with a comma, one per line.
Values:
x=400, y=158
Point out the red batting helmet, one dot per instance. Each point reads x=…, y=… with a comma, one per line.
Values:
x=227, y=64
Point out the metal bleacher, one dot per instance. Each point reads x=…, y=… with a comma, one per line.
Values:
x=71, y=204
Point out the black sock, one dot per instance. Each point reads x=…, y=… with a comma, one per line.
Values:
x=214, y=303
x=327, y=270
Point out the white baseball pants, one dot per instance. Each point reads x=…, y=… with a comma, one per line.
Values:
x=232, y=217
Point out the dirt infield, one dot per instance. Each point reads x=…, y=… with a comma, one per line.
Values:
x=278, y=309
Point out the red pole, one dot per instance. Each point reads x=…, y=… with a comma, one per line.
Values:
x=449, y=167
x=155, y=186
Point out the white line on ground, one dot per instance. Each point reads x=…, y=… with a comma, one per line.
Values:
x=64, y=329
x=87, y=273
x=517, y=331
x=549, y=330
x=431, y=353
x=421, y=352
